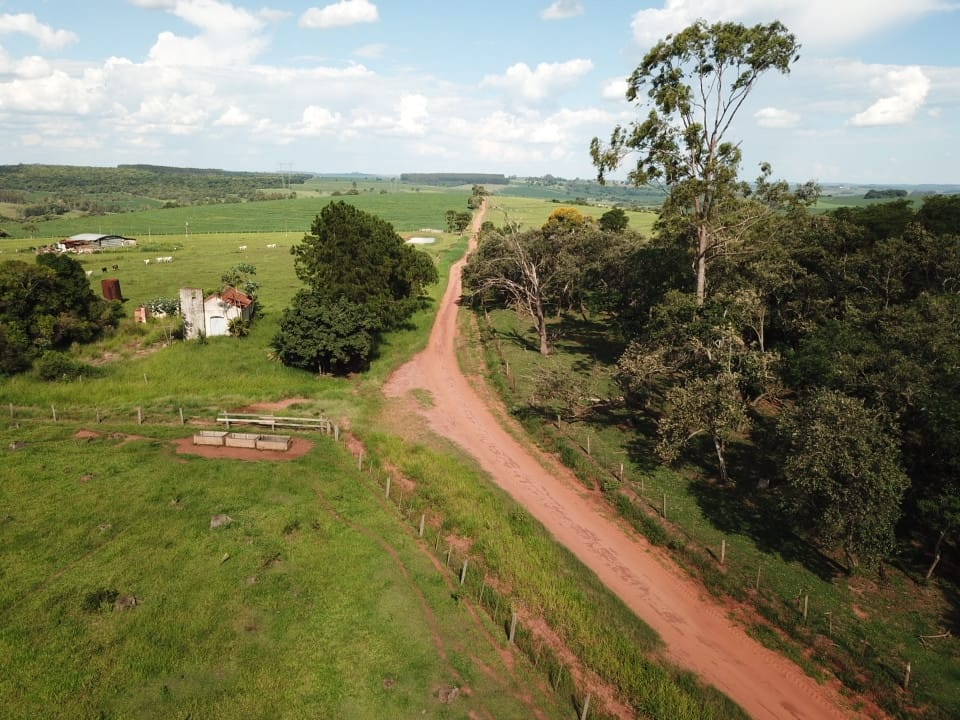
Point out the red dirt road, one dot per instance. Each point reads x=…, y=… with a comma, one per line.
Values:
x=696, y=630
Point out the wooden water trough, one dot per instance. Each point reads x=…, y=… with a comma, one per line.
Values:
x=209, y=437
x=281, y=443
x=242, y=440
x=252, y=441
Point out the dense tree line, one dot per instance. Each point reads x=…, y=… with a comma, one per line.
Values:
x=45, y=307
x=184, y=185
x=824, y=347
x=454, y=179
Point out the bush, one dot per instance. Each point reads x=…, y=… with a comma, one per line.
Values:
x=54, y=365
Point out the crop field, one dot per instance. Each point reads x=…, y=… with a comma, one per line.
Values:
x=407, y=210
x=532, y=213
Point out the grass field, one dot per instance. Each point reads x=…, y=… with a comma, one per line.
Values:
x=532, y=213
x=408, y=210
x=317, y=600
x=314, y=601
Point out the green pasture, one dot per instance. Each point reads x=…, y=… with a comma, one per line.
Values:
x=533, y=212
x=343, y=614
x=406, y=209
x=312, y=602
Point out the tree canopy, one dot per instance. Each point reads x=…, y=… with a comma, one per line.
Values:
x=361, y=280
x=47, y=306
x=695, y=82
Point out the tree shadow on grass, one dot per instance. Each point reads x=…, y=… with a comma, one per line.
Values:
x=576, y=336
x=740, y=509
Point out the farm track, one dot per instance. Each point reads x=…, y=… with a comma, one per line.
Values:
x=696, y=629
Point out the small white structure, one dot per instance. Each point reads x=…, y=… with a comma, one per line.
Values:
x=211, y=315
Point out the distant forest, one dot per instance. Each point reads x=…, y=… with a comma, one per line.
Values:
x=454, y=179
x=44, y=191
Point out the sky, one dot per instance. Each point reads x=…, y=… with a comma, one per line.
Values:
x=519, y=88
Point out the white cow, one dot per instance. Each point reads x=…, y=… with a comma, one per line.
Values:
x=147, y=261
x=271, y=246
x=242, y=248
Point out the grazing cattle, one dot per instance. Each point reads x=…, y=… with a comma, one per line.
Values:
x=116, y=267
x=103, y=270
x=147, y=261
x=242, y=248
x=271, y=246
x=89, y=273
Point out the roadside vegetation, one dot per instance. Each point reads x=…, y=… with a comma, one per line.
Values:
x=783, y=417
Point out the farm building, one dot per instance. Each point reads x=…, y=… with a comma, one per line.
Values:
x=93, y=242
x=211, y=315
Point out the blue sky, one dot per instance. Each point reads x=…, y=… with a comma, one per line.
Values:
x=391, y=86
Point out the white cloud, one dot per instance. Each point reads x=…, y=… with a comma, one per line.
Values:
x=373, y=51
x=771, y=117
x=345, y=12
x=317, y=120
x=229, y=36
x=908, y=87
x=539, y=83
x=54, y=92
x=816, y=23
x=27, y=24
x=233, y=117
x=615, y=89
x=562, y=9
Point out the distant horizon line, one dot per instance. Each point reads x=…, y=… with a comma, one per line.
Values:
x=508, y=176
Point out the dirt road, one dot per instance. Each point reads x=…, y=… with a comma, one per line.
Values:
x=696, y=630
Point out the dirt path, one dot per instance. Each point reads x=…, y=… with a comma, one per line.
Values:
x=696, y=630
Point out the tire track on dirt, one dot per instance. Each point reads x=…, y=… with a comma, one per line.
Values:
x=695, y=629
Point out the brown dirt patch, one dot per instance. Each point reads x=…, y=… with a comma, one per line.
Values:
x=85, y=434
x=299, y=448
x=276, y=405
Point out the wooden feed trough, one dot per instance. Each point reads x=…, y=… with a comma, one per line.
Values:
x=242, y=440
x=209, y=437
x=274, y=442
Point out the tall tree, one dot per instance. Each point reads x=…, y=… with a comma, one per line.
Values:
x=361, y=280
x=696, y=82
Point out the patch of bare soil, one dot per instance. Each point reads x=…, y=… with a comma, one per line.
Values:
x=274, y=406
x=697, y=631
x=299, y=448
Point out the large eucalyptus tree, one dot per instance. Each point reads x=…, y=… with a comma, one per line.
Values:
x=695, y=82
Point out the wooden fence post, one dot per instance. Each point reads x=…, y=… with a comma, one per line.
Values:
x=585, y=708
x=98, y=416
x=463, y=571
x=360, y=461
x=664, y=506
x=139, y=415
x=53, y=408
x=806, y=602
x=513, y=626
x=906, y=676
x=723, y=551
x=181, y=416
x=588, y=444
x=387, y=493
x=423, y=520
x=756, y=585
x=556, y=685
